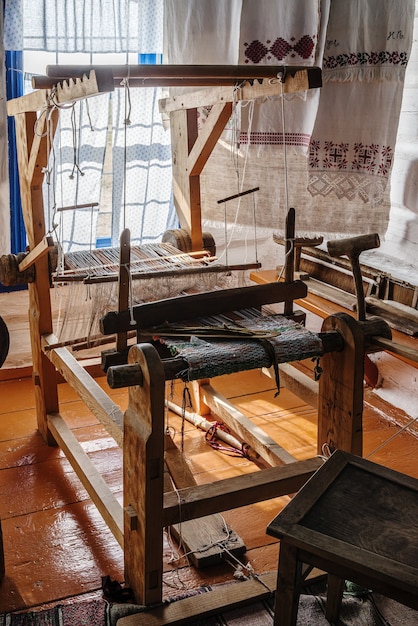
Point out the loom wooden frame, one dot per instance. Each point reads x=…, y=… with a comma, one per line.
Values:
x=340, y=390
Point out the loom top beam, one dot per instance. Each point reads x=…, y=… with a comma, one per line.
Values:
x=183, y=72
x=294, y=78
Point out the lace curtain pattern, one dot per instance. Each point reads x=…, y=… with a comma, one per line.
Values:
x=93, y=26
x=140, y=164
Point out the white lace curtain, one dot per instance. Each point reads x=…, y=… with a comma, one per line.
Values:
x=140, y=170
x=92, y=26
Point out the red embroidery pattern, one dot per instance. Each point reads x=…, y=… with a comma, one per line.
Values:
x=256, y=51
x=275, y=139
x=360, y=157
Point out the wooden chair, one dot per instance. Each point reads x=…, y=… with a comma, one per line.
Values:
x=355, y=520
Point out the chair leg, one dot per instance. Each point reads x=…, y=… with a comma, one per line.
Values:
x=334, y=598
x=288, y=586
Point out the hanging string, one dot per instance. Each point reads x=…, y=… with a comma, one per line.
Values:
x=255, y=229
x=385, y=443
x=186, y=403
x=74, y=133
x=240, y=176
x=288, y=253
x=286, y=186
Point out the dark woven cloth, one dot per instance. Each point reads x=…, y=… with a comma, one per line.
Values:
x=285, y=341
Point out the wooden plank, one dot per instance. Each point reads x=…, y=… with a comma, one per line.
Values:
x=238, y=491
x=248, y=91
x=181, y=71
x=143, y=478
x=179, y=470
x=194, y=535
x=202, y=304
x=289, y=265
x=394, y=308
x=68, y=90
x=38, y=148
x=99, y=492
x=99, y=403
x=186, y=188
x=31, y=102
x=265, y=446
x=302, y=385
x=208, y=137
x=329, y=292
x=216, y=601
x=396, y=348
x=123, y=284
x=40, y=316
x=340, y=403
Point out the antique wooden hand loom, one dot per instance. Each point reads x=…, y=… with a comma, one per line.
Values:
x=138, y=525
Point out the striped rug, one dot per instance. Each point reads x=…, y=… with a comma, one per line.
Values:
x=369, y=610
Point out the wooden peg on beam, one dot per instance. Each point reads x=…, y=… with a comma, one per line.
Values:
x=35, y=254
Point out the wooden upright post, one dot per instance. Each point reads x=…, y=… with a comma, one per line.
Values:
x=143, y=477
x=340, y=402
x=32, y=159
x=190, y=151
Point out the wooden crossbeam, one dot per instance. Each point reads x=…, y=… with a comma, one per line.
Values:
x=201, y=304
x=237, y=491
x=99, y=492
x=245, y=92
x=268, y=449
x=214, y=602
x=97, y=400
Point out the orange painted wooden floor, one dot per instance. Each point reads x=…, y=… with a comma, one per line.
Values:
x=56, y=544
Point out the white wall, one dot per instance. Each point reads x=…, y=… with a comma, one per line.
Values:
x=4, y=172
x=401, y=241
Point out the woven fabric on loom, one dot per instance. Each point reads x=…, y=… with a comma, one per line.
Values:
x=209, y=358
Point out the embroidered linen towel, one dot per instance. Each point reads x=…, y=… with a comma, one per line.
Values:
x=352, y=146
x=275, y=33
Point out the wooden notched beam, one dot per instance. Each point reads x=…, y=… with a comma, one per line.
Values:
x=65, y=91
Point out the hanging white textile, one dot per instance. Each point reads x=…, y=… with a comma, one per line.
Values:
x=328, y=200
x=353, y=142
x=263, y=33
x=276, y=33
x=195, y=32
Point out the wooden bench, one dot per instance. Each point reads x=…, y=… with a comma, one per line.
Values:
x=355, y=520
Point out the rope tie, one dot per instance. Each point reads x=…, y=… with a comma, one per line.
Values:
x=186, y=403
x=210, y=438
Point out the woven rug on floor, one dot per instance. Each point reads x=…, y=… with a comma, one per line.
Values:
x=358, y=609
x=371, y=610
